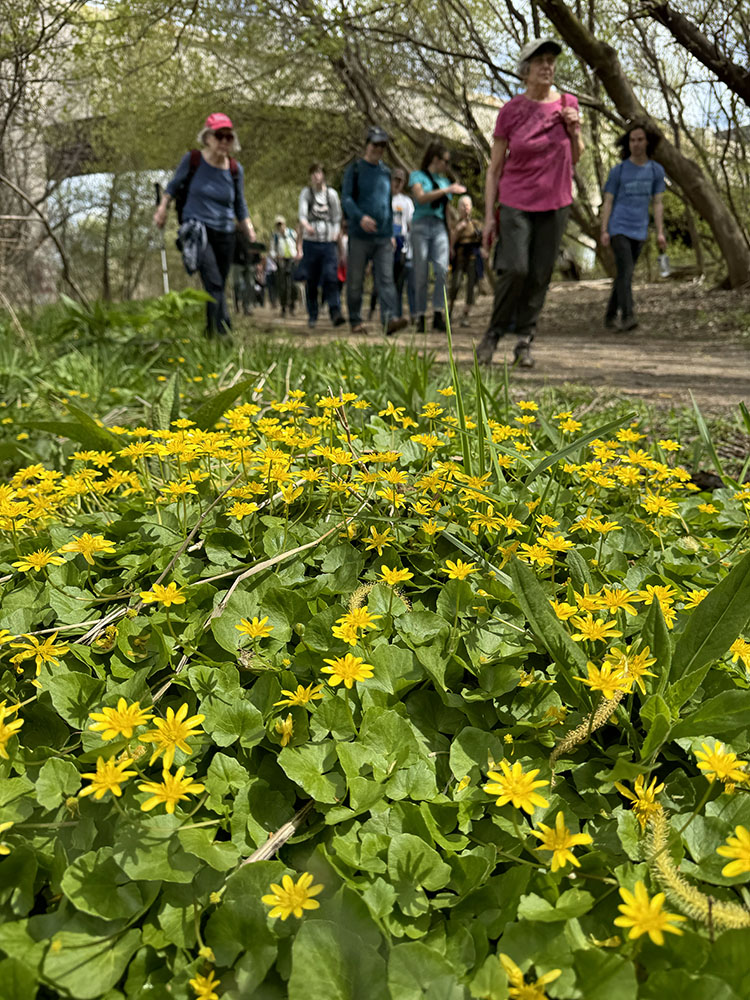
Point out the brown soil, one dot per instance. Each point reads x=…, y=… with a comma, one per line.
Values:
x=688, y=339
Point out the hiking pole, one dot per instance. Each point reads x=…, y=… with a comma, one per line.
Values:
x=163, y=248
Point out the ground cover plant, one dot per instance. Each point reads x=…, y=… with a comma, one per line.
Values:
x=372, y=686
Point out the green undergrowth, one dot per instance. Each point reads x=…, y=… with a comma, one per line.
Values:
x=342, y=675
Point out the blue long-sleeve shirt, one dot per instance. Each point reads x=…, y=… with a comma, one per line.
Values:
x=213, y=199
x=373, y=189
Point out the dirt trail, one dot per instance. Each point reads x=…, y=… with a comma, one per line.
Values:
x=688, y=338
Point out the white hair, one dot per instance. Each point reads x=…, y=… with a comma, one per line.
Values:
x=465, y=197
x=201, y=140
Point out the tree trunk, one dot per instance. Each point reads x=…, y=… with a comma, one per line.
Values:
x=106, y=281
x=697, y=188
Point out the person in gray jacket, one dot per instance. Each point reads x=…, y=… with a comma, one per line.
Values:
x=318, y=242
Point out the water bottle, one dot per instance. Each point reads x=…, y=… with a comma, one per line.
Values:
x=664, y=269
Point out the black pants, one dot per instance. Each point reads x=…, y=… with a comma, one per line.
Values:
x=464, y=263
x=626, y=253
x=214, y=270
x=525, y=258
x=287, y=290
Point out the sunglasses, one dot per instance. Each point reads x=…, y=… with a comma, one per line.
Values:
x=379, y=145
x=224, y=136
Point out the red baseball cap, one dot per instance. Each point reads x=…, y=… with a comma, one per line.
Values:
x=217, y=120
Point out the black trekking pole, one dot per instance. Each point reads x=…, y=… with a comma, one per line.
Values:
x=163, y=247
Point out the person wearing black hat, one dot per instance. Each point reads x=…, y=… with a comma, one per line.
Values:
x=366, y=200
x=537, y=144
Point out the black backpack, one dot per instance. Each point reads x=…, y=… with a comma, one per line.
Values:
x=181, y=196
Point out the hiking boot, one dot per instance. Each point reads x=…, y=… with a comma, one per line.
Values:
x=337, y=319
x=312, y=323
x=395, y=325
x=610, y=322
x=486, y=348
x=421, y=324
x=628, y=323
x=522, y=354
x=438, y=322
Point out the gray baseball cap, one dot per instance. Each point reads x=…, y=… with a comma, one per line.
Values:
x=536, y=47
x=377, y=134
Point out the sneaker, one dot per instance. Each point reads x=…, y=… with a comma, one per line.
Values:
x=312, y=323
x=486, y=348
x=395, y=325
x=628, y=323
x=421, y=324
x=522, y=354
x=359, y=328
x=337, y=319
x=438, y=322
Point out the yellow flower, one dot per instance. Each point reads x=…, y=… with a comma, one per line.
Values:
x=518, y=988
x=707, y=508
x=394, y=576
x=204, y=986
x=164, y=595
x=559, y=841
x=634, y=666
x=9, y=730
x=608, y=680
x=593, y=629
x=643, y=798
x=563, y=610
x=37, y=561
x=347, y=633
x=535, y=554
x=120, y=721
x=379, y=539
x=108, y=777
x=619, y=598
x=645, y=916
x=301, y=696
x=740, y=650
x=659, y=505
x=588, y=601
x=359, y=618
x=737, y=847
x=695, y=597
x=722, y=764
x=47, y=651
x=459, y=570
x=88, y=545
x=347, y=669
x=172, y=789
x=171, y=733
x=4, y=849
x=516, y=786
x=256, y=629
x=292, y=897
x=285, y=729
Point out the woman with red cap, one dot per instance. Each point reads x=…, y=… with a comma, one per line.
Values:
x=208, y=187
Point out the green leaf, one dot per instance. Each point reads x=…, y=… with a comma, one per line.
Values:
x=95, y=884
x=714, y=625
x=220, y=855
x=330, y=963
x=656, y=636
x=679, y=983
x=209, y=412
x=605, y=976
x=18, y=981
x=307, y=767
x=86, y=967
x=240, y=922
x=416, y=971
x=655, y=712
x=571, y=903
x=167, y=407
x=74, y=695
x=721, y=716
x=57, y=780
x=534, y=602
x=411, y=861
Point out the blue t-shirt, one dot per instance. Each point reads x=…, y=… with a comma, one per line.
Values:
x=213, y=199
x=373, y=190
x=435, y=209
x=632, y=188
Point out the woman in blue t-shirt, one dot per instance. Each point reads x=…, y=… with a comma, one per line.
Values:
x=630, y=187
x=431, y=191
x=210, y=184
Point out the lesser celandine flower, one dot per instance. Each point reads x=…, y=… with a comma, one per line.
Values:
x=740, y=650
x=40, y=650
x=738, y=848
x=173, y=788
x=347, y=669
x=285, y=729
x=89, y=546
x=108, y=777
x=518, y=988
x=169, y=595
x=593, y=629
x=301, y=696
x=120, y=721
x=642, y=797
x=171, y=733
x=7, y=730
x=516, y=786
x=607, y=679
x=4, y=849
x=292, y=897
x=645, y=916
x=205, y=986
x=459, y=570
x=716, y=762
x=394, y=576
x=560, y=840
x=255, y=629
x=37, y=561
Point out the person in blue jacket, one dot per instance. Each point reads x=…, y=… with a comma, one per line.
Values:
x=210, y=186
x=630, y=188
x=366, y=201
